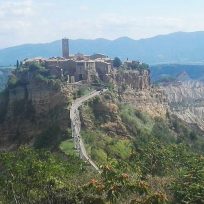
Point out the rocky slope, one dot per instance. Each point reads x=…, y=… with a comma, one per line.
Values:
x=186, y=100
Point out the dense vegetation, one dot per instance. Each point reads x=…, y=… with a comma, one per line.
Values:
x=117, y=62
x=24, y=74
x=167, y=154
x=143, y=160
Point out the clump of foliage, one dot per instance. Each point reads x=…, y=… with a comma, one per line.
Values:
x=50, y=138
x=37, y=71
x=102, y=147
x=136, y=65
x=117, y=187
x=37, y=176
x=67, y=146
x=188, y=186
x=83, y=91
x=117, y=62
x=30, y=176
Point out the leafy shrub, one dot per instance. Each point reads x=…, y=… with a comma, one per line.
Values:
x=137, y=122
x=162, y=131
x=36, y=67
x=83, y=91
x=36, y=176
x=189, y=184
x=117, y=62
x=49, y=138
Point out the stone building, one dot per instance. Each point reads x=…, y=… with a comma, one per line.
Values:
x=103, y=69
x=85, y=70
x=79, y=67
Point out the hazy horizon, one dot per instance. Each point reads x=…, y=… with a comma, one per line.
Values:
x=54, y=40
x=35, y=21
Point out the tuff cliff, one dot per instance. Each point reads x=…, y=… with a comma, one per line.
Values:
x=32, y=112
x=133, y=79
x=186, y=100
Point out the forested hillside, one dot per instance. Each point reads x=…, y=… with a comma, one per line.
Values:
x=143, y=160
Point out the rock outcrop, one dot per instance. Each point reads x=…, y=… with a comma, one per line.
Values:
x=133, y=79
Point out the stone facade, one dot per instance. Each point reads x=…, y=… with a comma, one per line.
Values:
x=93, y=68
x=79, y=67
x=103, y=69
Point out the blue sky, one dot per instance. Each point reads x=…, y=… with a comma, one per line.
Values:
x=34, y=21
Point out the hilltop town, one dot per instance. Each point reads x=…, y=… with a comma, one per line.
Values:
x=39, y=90
x=92, y=69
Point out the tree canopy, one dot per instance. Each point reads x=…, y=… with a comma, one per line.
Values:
x=117, y=62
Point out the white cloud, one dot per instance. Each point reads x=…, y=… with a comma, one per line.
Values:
x=10, y=9
x=23, y=21
x=83, y=8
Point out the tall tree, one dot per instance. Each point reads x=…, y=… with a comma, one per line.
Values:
x=117, y=62
x=17, y=64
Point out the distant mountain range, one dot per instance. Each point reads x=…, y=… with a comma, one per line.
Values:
x=180, y=47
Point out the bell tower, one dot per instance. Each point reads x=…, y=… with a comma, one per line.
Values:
x=65, y=48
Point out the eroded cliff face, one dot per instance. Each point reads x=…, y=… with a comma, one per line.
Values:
x=133, y=79
x=31, y=110
x=186, y=100
x=134, y=87
x=152, y=100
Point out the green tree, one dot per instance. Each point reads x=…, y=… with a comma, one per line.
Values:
x=17, y=64
x=117, y=62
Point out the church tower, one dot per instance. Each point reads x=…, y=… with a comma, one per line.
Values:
x=65, y=48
